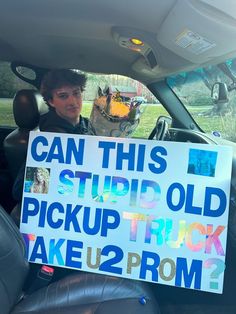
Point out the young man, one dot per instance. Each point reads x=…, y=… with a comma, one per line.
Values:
x=62, y=90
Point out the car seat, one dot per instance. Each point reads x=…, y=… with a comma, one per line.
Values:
x=80, y=292
x=28, y=105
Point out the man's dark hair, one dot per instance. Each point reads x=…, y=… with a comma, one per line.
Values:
x=61, y=77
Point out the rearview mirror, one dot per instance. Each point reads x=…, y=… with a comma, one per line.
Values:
x=219, y=93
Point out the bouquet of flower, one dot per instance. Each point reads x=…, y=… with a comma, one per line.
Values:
x=114, y=115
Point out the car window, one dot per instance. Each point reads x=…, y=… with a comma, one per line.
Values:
x=9, y=85
x=198, y=90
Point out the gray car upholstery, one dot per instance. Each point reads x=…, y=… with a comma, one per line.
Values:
x=13, y=266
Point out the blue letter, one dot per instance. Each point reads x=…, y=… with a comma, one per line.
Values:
x=141, y=155
x=71, y=217
x=78, y=153
x=107, y=214
x=83, y=176
x=39, y=246
x=106, y=152
x=97, y=221
x=182, y=270
x=189, y=208
x=115, y=191
x=108, y=265
x=180, y=204
x=54, y=251
x=161, y=161
x=155, y=259
x=36, y=141
x=207, y=205
x=121, y=155
x=68, y=184
x=56, y=151
x=55, y=224
x=42, y=214
x=70, y=254
x=26, y=211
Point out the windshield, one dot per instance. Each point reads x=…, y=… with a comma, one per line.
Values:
x=209, y=95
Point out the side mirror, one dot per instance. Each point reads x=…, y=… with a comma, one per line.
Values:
x=219, y=93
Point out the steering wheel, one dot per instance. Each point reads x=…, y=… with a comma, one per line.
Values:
x=160, y=131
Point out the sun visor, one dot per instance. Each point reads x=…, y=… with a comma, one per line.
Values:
x=199, y=30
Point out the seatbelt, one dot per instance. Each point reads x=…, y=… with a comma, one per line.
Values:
x=44, y=276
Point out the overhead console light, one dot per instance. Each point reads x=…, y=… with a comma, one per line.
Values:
x=134, y=44
x=136, y=41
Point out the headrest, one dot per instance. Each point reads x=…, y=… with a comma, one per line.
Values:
x=28, y=105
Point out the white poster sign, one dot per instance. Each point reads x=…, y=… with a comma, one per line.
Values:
x=145, y=210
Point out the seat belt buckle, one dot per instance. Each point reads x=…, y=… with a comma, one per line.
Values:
x=43, y=278
x=46, y=273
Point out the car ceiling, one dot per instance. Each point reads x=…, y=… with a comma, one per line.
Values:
x=93, y=35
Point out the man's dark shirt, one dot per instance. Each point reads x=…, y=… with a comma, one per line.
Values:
x=51, y=122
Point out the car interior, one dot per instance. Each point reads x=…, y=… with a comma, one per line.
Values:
x=174, y=36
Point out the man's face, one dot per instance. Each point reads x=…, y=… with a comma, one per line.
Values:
x=67, y=101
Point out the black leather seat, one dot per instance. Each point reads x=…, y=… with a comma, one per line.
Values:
x=28, y=105
x=79, y=293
